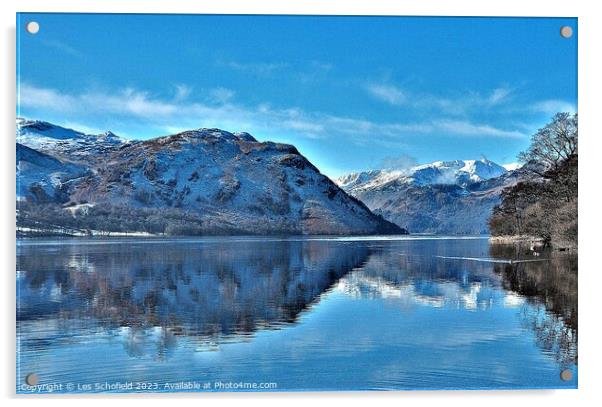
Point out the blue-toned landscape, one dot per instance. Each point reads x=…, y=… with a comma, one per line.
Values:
x=295, y=203
x=314, y=313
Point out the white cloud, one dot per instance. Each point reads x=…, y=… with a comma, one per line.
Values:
x=258, y=68
x=182, y=92
x=387, y=93
x=498, y=95
x=37, y=97
x=554, y=106
x=457, y=105
x=221, y=95
x=470, y=129
x=61, y=46
x=181, y=113
x=142, y=104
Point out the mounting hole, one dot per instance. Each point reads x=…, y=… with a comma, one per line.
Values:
x=32, y=27
x=566, y=31
x=566, y=375
x=32, y=379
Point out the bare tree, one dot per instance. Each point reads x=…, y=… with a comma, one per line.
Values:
x=553, y=144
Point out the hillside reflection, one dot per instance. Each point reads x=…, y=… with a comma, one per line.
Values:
x=419, y=276
x=151, y=293
x=551, y=288
x=186, y=289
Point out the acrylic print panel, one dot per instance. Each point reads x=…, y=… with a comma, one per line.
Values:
x=295, y=203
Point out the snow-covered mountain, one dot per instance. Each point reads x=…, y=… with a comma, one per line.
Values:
x=458, y=172
x=441, y=197
x=66, y=143
x=43, y=178
x=230, y=181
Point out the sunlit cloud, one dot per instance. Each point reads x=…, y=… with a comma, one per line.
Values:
x=36, y=97
x=182, y=112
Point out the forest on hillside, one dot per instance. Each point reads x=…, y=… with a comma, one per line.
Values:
x=544, y=205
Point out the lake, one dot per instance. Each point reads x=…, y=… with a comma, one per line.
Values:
x=293, y=314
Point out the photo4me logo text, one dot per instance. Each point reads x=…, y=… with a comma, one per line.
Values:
x=147, y=386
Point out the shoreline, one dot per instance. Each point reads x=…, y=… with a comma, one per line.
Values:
x=534, y=241
x=516, y=239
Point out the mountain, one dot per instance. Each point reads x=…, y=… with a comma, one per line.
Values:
x=219, y=182
x=66, y=143
x=454, y=197
x=458, y=172
x=43, y=178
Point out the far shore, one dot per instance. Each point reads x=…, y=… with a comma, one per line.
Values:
x=533, y=241
x=516, y=239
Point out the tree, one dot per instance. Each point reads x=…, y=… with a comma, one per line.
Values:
x=544, y=206
x=552, y=144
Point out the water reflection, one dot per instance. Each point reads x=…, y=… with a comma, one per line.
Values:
x=158, y=300
x=419, y=275
x=198, y=290
x=550, y=286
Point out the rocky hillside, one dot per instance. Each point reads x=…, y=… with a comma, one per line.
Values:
x=225, y=183
x=43, y=178
x=454, y=197
x=66, y=144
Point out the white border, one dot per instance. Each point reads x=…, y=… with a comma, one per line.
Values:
x=590, y=67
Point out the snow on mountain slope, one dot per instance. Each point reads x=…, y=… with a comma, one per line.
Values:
x=66, y=143
x=441, y=197
x=43, y=178
x=230, y=181
x=236, y=182
x=460, y=172
x=512, y=166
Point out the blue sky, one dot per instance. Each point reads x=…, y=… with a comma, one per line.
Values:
x=352, y=93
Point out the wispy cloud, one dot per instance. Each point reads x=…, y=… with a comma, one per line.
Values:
x=221, y=95
x=313, y=72
x=62, y=47
x=182, y=91
x=257, y=68
x=499, y=95
x=37, y=97
x=470, y=129
x=553, y=106
x=146, y=108
x=462, y=104
x=387, y=93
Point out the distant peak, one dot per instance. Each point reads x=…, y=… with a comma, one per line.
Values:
x=205, y=132
x=245, y=136
x=108, y=134
x=46, y=129
x=458, y=172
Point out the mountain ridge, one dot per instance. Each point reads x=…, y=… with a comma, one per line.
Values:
x=229, y=182
x=443, y=197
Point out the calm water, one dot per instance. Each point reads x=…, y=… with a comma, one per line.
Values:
x=298, y=314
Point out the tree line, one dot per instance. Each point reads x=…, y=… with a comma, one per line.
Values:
x=46, y=219
x=543, y=204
